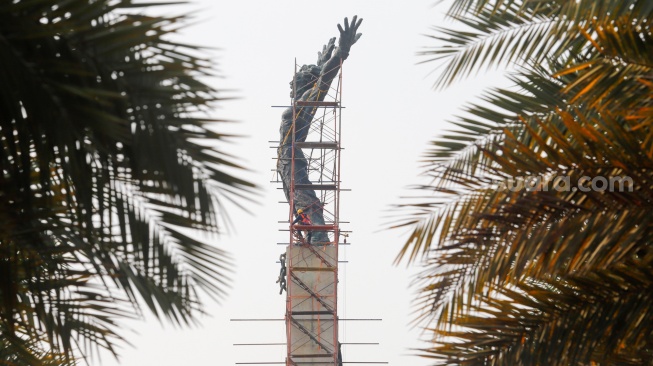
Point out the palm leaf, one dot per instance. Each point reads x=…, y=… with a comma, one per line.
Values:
x=537, y=274
x=102, y=172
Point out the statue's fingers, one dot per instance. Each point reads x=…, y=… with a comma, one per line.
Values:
x=353, y=20
x=358, y=24
x=340, y=29
x=357, y=37
x=346, y=23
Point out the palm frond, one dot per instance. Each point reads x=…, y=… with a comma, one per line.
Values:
x=107, y=159
x=503, y=32
x=599, y=318
x=522, y=263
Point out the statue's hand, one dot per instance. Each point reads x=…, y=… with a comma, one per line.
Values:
x=348, y=36
x=325, y=55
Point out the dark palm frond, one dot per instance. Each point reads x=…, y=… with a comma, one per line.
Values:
x=107, y=159
x=488, y=225
x=601, y=318
x=622, y=59
x=484, y=124
x=503, y=32
x=577, y=11
x=491, y=39
x=522, y=263
x=458, y=163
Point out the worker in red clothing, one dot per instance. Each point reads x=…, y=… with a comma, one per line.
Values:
x=303, y=219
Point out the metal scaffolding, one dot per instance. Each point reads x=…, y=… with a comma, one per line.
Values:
x=310, y=152
x=312, y=270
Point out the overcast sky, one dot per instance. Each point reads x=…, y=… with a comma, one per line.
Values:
x=391, y=114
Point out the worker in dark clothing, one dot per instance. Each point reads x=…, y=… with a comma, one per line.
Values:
x=303, y=219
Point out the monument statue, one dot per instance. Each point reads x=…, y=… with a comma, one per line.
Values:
x=311, y=83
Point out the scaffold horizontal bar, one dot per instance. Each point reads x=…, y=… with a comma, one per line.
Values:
x=356, y=362
x=289, y=106
x=317, y=187
x=255, y=320
x=315, y=103
x=330, y=320
x=341, y=189
x=342, y=231
x=323, y=312
x=316, y=145
x=316, y=227
x=313, y=159
x=288, y=145
x=338, y=261
x=314, y=269
x=366, y=320
x=289, y=243
x=330, y=222
x=315, y=355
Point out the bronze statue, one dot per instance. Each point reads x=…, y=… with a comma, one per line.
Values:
x=311, y=83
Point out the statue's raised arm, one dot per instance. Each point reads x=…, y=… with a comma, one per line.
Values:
x=330, y=61
x=311, y=83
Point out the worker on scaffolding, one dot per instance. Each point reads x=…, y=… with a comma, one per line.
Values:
x=302, y=218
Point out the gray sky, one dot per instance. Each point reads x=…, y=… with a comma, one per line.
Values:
x=391, y=114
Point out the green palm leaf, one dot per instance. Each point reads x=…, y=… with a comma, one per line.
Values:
x=107, y=160
x=540, y=275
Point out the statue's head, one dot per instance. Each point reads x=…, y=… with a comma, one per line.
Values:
x=304, y=79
